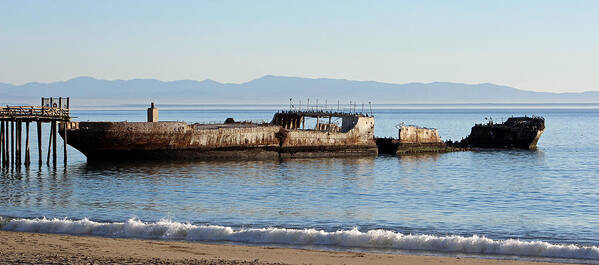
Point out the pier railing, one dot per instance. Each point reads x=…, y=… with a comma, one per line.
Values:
x=34, y=113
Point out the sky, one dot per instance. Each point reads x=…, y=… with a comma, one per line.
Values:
x=538, y=45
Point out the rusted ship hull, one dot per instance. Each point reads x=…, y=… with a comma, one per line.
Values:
x=182, y=141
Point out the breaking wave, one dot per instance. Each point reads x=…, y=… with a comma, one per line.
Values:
x=386, y=239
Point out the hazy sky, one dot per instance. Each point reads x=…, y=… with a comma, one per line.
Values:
x=534, y=45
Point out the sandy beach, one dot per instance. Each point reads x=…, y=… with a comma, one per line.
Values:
x=35, y=248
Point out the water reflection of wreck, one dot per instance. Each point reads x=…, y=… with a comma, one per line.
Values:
x=289, y=134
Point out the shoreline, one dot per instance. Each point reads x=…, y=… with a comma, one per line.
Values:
x=19, y=247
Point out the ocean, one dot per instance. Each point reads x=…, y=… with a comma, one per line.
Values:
x=539, y=205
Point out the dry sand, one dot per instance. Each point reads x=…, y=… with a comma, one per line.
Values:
x=33, y=248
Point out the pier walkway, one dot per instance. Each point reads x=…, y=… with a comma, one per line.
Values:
x=52, y=110
x=34, y=113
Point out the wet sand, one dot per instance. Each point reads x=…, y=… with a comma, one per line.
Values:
x=35, y=248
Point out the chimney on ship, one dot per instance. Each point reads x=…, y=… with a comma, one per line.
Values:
x=152, y=113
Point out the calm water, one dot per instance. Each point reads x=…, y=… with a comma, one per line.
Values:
x=547, y=195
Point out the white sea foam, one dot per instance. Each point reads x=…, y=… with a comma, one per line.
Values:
x=165, y=229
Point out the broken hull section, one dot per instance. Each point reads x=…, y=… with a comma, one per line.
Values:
x=514, y=133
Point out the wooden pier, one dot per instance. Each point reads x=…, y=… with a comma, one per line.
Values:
x=51, y=110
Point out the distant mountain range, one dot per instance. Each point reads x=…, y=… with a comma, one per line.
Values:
x=276, y=89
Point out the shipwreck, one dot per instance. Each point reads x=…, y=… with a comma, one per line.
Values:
x=514, y=133
x=290, y=134
x=286, y=136
x=414, y=139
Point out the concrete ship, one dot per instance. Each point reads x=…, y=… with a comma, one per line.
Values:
x=514, y=133
x=286, y=136
x=414, y=139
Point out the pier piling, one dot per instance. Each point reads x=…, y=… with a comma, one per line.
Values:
x=12, y=142
x=5, y=144
x=27, y=152
x=18, y=144
x=6, y=147
x=2, y=142
x=65, y=142
x=49, y=146
x=54, y=143
x=39, y=142
x=15, y=143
